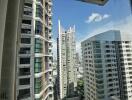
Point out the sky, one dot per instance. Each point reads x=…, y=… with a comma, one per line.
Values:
x=90, y=19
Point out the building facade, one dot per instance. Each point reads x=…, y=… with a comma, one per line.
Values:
x=107, y=62
x=34, y=52
x=66, y=62
x=79, y=68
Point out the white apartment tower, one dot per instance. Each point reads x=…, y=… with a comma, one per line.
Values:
x=66, y=62
x=107, y=62
x=34, y=56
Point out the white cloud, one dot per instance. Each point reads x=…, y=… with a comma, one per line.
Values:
x=96, y=17
x=124, y=25
x=106, y=16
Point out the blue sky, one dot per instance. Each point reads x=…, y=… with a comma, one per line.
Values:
x=87, y=17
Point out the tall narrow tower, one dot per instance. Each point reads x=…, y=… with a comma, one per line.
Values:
x=66, y=62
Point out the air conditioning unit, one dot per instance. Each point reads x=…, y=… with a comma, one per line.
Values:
x=99, y=2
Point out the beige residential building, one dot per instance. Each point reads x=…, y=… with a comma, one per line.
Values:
x=34, y=52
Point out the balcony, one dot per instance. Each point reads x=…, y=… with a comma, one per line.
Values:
x=47, y=85
x=50, y=26
x=46, y=11
x=50, y=13
x=48, y=52
x=50, y=22
x=25, y=31
x=47, y=67
x=48, y=38
x=27, y=11
x=47, y=93
x=44, y=90
x=49, y=2
x=26, y=26
x=39, y=2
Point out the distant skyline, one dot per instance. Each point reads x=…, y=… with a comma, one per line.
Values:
x=89, y=19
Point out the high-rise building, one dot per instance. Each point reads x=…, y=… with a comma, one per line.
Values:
x=66, y=62
x=79, y=68
x=34, y=52
x=107, y=62
x=10, y=10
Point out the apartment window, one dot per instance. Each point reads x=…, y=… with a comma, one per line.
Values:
x=127, y=46
x=38, y=85
x=100, y=91
x=107, y=51
x=108, y=60
x=128, y=55
x=50, y=51
x=50, y=73
x=24, y=60
x=24, y=71
x=96, y=42
x=24, y=93
x=97, y=51
x=39, y=11
x=28, y=4
x=50, y=95
x=98, y=71
x=38, y=65
x=38, y=27
x=38, y=45
x=98, y=65
x=25, y=40
x=107, y=46
x=129, y=59
x=98, y=61
x=108, y=55
x=129, y=63
x=27, y=11
x=26, y=21
x=127, y=42
x=128, y=50
x=24, y=81
x=97, y=56
x=99, y=76
x=25, y=31
x=24, y=50
x=50, y=44
x=101, y=97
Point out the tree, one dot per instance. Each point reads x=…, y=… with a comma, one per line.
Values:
x=80, y=89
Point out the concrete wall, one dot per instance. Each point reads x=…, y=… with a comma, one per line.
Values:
x=9, y=15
